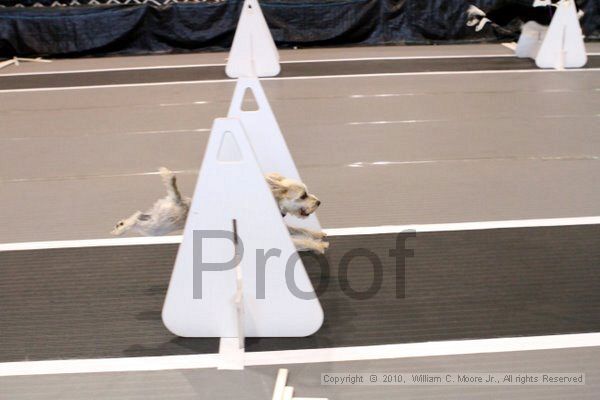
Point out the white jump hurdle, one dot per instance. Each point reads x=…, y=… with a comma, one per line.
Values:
x=201, y=299
x=253, y=52
x=266, y=139
x=237, y=273
x=560, y=45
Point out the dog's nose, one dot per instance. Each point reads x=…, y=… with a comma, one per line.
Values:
x=318, y=203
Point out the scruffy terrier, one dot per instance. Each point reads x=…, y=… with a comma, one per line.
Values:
x=293, y=198
x=166, y=215
x=169, y=213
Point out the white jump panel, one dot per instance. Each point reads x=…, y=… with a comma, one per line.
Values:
x=266, y=139
x=200, y=301
x=558, y=46
x=563, y=45
x=253, y=52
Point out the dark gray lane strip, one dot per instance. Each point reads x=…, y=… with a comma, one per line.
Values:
x=169, y=74
x=106, y=302
x=461, y=285
x=88, y=303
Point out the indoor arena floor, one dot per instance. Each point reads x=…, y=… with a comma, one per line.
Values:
x=386, y=137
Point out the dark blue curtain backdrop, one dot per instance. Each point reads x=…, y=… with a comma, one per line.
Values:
x=176, y=27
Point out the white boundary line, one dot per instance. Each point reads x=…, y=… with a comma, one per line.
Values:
x=366, y=230
x=389, y=74
x=423, y=349
x=154, y=67
x=338, y=354
x=111, y=242
x=83, y=71
x=459, y=56
x=465, y=226
x=159, y=363
x=124, y=85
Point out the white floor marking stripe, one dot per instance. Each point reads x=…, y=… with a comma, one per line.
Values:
x=424, y=349
x=460, y=56
x=65, y=244
x=77, y=177
x=83, y=71
x=338, y=354
x=154, y=67
x=389, y=74
x=364, y=230
x=158, y=363
x=387, y=163
x=464, y=226
x=434, y=73
x=510, y=46
x=124, y=85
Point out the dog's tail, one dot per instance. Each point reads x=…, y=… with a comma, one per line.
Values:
x=170, y=181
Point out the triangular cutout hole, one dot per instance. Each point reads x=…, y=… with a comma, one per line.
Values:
x=229, y=151
x=249, y=102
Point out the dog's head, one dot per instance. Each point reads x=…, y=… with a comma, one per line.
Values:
x=124, y=225
x=292, y=196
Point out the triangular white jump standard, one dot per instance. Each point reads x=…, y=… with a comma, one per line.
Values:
x=530, y=40
x=563, y=45
x=266, y=139
x=558, y=46
x=253, y=52
x=200, y=301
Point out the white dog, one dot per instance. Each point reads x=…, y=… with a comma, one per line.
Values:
x=166, y=215
x=293, y=198
x=169, y=213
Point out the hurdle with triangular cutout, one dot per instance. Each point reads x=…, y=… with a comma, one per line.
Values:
x=252, y=55
x=560, y=45
x=237, y=271
x=253, y=52
x=278, y=297
x=266, y=138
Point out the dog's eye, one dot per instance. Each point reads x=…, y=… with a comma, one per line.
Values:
x=304, y=196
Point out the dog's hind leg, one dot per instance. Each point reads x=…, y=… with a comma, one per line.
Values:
x=305, y=244
x=309, y=233
x=170, y=181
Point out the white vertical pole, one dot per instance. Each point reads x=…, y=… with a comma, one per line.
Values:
x=280, y=382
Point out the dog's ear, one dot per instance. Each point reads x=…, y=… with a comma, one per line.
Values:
x=275, y=176
x=275, y=183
